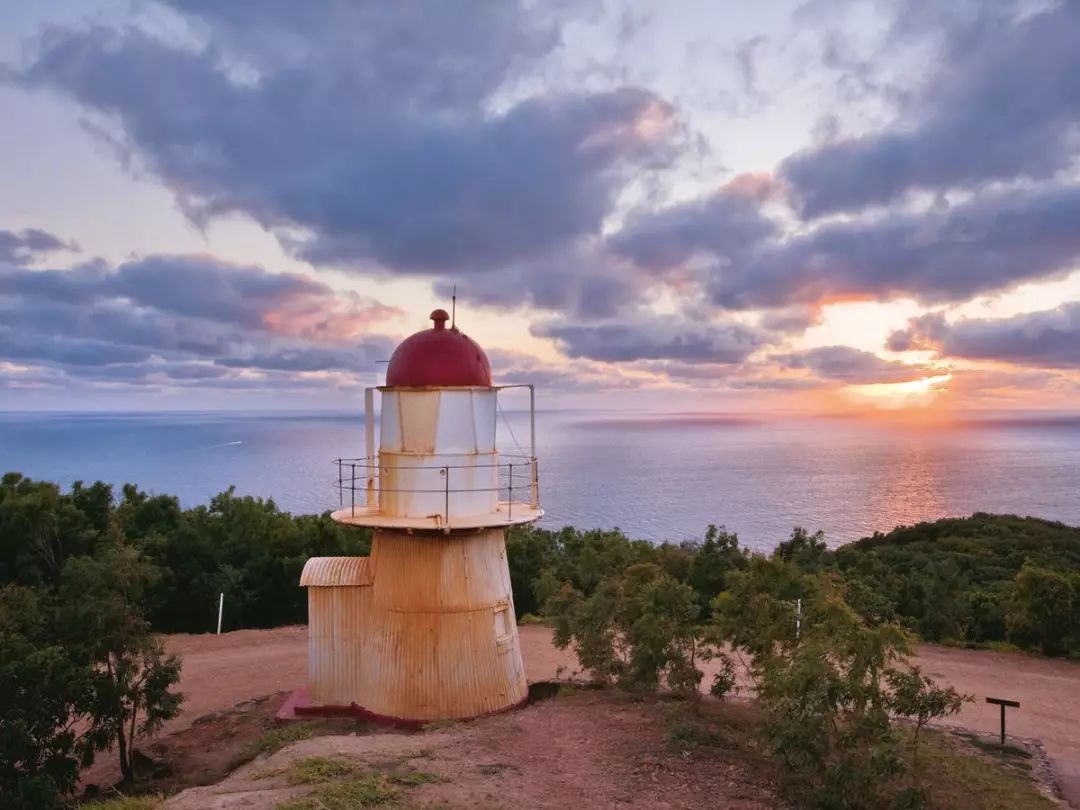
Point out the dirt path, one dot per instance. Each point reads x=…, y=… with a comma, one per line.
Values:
x=220, y=671
x=1048, y=691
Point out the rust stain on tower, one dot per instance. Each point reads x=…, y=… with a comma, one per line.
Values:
x=424, y=628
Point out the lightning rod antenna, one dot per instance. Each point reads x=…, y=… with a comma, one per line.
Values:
x=453, y=309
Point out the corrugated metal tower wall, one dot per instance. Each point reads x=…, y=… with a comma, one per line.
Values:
x=423, y=629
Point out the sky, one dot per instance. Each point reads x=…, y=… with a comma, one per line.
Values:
x=827, y=206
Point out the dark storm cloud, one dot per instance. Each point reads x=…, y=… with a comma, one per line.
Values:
x=362, y=132
x=184, y=319
x=984, y=245
x=850, y=365
x=1050, y=338
x=654, y=338
x=29, y=245
x=1004, y=104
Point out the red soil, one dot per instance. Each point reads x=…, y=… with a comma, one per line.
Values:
x=221, y=671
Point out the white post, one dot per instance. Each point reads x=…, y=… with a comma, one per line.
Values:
x=369, y=435
x=220, y=610
x=798, y=618
x=532, y=448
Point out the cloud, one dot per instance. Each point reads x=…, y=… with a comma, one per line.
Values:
x=206, y=288
x=1003, y=105
x=29, y=245
x=853, y=366
x=986, y=244
x=1049, y=338
x=365, y=135
x=654, y=338
x=569, y=375
x=582, y=280
x=723, y=224
x=791, y=320
x=184, y=320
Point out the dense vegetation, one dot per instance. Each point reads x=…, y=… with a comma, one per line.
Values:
x=978, y=581
x=87, y=577
x=981, y=579
x=828, y=682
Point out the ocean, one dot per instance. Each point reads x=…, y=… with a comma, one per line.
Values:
x=655, y=476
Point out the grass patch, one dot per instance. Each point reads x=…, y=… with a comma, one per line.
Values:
x=532, y=618
x=956, y=775
x=344, y=783
x=148, y=802
x=279, y=736
x=413, y=778
x=995, y=748
x=370, y=790
x=441, y=725
x=271, y=741
x=313, y=770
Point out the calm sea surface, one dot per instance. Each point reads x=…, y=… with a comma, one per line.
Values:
x=654, y=476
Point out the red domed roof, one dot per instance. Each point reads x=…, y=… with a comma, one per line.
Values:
x=439, y=357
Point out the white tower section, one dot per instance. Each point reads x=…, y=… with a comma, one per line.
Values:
x=437, y=466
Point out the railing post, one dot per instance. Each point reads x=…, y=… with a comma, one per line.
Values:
x=535, y=483
x=352, y=490
x=510, y=497
x=340, y=494
x=369, y=437
x=446, y=514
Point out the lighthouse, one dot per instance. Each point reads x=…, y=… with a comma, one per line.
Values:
x=424, y=628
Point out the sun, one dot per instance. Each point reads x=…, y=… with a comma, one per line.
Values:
x=913, y=393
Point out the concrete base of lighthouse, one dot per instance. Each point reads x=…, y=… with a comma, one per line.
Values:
x=422, y=630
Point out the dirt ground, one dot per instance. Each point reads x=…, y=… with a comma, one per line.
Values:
x=221, y=671
x=596, y=749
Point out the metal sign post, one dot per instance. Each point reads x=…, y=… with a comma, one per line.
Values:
x=1015, y=704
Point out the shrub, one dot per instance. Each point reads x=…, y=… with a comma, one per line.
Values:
x=826, y=685
x=638, y=630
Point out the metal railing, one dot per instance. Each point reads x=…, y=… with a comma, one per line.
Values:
x=364, y=476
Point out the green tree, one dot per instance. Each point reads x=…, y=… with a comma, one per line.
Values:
x=808, y=552
x=717, y=556
x=42, y=692
x=529, y=553
x=1041, y=609
x=919, y=699
x=131, y=677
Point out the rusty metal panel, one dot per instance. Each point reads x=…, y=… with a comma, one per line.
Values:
x=413, y=485
x=434, y=636
x=337, y=638
x=328, y=572
x=441, y=573
x=485, y=409
x=418, y=412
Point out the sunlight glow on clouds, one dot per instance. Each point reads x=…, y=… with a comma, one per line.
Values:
x=796, y=206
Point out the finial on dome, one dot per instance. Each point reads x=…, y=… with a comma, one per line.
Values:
x=440, y=317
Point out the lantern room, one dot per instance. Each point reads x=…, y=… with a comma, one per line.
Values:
x=437, y=464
